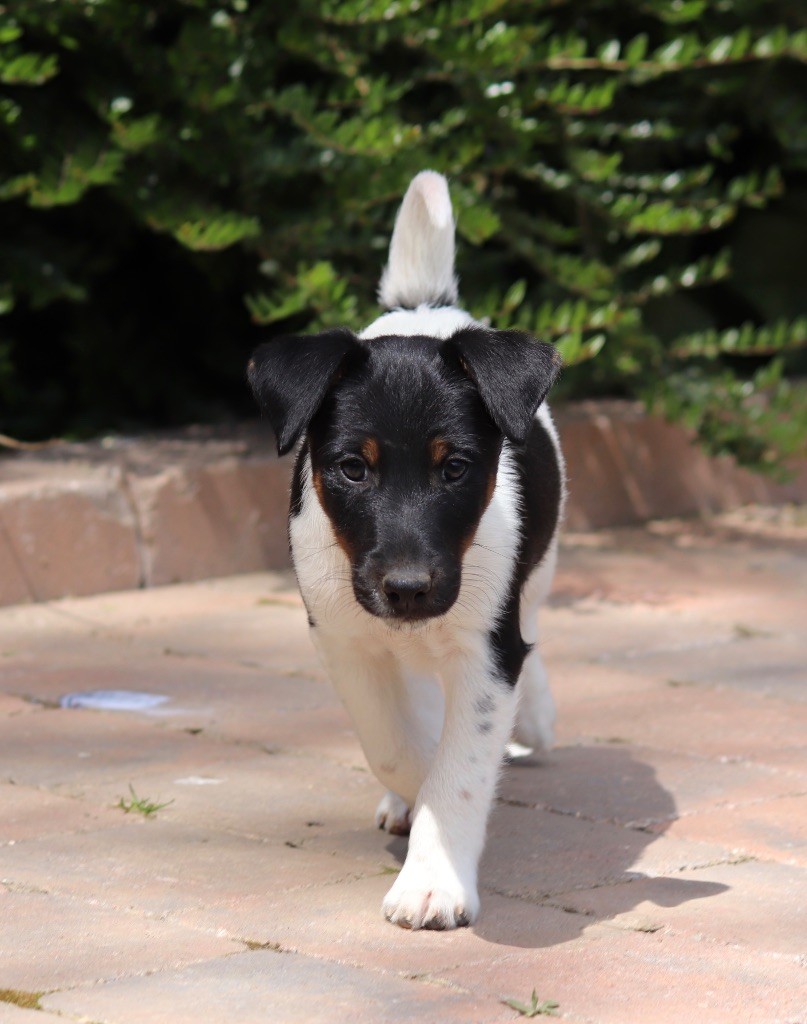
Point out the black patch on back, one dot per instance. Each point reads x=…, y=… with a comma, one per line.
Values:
x=539, y=482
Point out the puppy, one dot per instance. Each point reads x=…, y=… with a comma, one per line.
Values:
x=426, y=497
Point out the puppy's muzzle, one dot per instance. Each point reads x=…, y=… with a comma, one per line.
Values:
x=407, y=592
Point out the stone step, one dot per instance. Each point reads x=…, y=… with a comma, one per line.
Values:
x=126, y=512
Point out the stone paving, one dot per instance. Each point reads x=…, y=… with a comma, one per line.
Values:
x=651, y=869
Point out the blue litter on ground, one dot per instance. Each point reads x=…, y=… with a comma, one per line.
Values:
x=113, y=700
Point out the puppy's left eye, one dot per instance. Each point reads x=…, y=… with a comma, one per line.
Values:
x=354, y=469
x=454, y=469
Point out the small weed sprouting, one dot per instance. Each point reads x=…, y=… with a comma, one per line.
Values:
x=140, y=805
x=743, y=632
x=16, y=996
x=548, y=1008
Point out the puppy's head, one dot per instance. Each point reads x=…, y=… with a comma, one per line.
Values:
x=404, y=436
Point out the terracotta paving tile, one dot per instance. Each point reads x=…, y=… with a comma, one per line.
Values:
x=10, y=706
x=575, y=682
x=769, y=664
x=592, y=631
x=533, y=854
x=615, y=977
x=31, y=813
x=242, y=701
x=36, y=628
x=276, y=796
x=790, y=758
x=71, y=942
x=630, y=784
x=770, y=829
x=285, y=708
x=260, y=626
x=753, y=904
x=153, y=607
x=262, y=985
x=697, y=721
x=159, y=868
x=345, y=923
x=80, y=748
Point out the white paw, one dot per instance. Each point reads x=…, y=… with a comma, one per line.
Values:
x=535, y=720
x=430, y=899
x=393, y=814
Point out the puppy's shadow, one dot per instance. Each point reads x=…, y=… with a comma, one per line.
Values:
x=574, y=832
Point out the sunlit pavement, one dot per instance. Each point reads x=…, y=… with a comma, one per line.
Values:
x=652, y=868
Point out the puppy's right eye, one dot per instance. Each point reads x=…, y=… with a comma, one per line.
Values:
x=354, y=469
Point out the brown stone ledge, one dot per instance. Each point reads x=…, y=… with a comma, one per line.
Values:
x=119, y=513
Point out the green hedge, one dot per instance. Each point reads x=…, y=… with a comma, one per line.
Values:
x=178, y=179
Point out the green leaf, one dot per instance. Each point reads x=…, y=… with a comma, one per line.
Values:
x=478, y=223
x=65, y=183
x=769, y=339
x=13, y=187
x=9, y=32
x=136, y=134
x=522, y=1008
x=534, y=1008
x=513, y=297
x=6, y=298
x=28, y=69
x=636, y=49
x=216, y=233
x=265, y=310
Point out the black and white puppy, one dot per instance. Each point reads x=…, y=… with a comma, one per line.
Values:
x=425, y=504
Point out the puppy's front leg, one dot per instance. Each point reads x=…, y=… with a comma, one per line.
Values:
x=397, y=718
x=437, y=885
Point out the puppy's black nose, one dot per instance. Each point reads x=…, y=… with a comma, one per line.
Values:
x=406, y=589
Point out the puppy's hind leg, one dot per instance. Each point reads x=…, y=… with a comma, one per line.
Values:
x=423, y=712
x=398, y=719
x=535, y=718
x=393, y=814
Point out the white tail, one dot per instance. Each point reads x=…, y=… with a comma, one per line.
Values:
x=420, y=270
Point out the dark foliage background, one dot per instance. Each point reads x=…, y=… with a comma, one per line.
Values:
x=178, y=179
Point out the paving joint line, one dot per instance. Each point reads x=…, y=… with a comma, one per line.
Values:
x=608, y=883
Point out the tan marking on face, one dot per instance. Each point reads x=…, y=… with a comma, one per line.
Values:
x=438, y=450
x=371, y=452
x=319, y=487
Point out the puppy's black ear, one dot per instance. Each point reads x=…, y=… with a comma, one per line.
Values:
x=290, y=375
x=512, y=371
